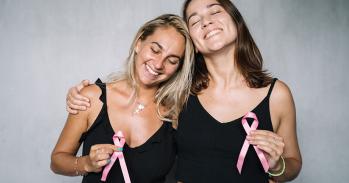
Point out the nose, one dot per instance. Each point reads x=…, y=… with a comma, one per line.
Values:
x=206, y=21
x=159, y=63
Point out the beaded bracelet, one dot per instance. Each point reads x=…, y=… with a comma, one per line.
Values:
x=282, y=170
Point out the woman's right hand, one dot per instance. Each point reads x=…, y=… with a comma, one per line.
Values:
x=99, y=157
x=76, y=102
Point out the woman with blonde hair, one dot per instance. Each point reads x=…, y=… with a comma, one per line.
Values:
x=132, y=115
x=240, y=123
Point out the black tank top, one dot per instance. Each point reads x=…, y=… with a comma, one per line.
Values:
x=208, y=150
x=147, y=163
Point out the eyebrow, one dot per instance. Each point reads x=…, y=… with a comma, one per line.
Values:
x=159, y=45
x=208, y=6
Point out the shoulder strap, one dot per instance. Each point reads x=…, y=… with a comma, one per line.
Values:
x=102, y=98
x=271, y=87
x=102, y=86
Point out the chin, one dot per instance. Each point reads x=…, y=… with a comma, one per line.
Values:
x=217, y=46
x=214, y=48
x=150, y=83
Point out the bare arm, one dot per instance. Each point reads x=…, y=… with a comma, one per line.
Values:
x=283, y=105
x=63, y=157
x=284, y=141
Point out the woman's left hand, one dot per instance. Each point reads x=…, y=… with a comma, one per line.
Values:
x=269, y=142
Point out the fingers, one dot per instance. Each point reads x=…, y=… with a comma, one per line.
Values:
x=102, y=163
x=83, y=84
x=75, y=107
x=100, y=155
x=74, y=95
x=70, y=110
x=75, y=101
x=266, y=133
x=269, y=142
x=266, y=138
x=107, y=148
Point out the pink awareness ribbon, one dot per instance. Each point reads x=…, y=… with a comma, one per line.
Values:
x=244, y=148
x=119, y=141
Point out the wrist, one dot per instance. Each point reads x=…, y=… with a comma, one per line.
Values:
x=80, y=166
x=86, y=164
x=279, y=169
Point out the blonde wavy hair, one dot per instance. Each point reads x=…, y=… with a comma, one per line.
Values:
x=174, y=92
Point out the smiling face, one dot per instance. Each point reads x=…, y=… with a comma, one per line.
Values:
x=211, y=27
x=158, y=56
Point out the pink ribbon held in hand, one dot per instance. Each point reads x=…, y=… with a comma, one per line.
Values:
x=119, y=141
x=244, y=148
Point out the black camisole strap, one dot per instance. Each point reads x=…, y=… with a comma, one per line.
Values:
x=102, y=86
x=102, y=98
x=271, y=87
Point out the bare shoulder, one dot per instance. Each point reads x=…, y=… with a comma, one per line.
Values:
x=281, y=93
x=93, y=92
x=282, y=108
x=281, y=103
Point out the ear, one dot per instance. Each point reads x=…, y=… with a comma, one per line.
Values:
x=138, y=46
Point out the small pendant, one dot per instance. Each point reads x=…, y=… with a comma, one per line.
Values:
x=139, y=108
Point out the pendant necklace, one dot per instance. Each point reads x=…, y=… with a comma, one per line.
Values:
x=139, y=108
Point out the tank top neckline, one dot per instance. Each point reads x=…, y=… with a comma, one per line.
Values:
x=234, y=121
x=155, y=137
x=230, y=122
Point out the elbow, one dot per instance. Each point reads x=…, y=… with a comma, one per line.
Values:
x=296, y=166
x=53, y=168
x=53, y=165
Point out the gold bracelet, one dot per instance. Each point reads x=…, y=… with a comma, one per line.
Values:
x=282, y=170
x=76, y=167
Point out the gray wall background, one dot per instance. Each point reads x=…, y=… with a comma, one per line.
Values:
x=46, y=46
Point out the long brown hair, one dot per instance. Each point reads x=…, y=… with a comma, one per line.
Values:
x=248, y=58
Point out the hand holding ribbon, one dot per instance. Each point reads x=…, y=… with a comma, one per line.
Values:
x=119, y=141
x=246, y=144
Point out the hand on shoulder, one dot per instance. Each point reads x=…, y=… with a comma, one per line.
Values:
x=93, y=92
x=76, y=102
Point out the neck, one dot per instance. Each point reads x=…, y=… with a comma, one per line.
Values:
x=146, y=95
x=222, y=69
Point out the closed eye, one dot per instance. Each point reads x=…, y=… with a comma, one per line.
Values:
x=173, y=61
x=216, y=12
x=195, y=23
x=155, y=50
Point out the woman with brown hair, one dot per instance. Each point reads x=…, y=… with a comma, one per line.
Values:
x=240, y=123
x=240, y=126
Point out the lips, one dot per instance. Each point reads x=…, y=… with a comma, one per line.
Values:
x=150, y=70
x=212, y=33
